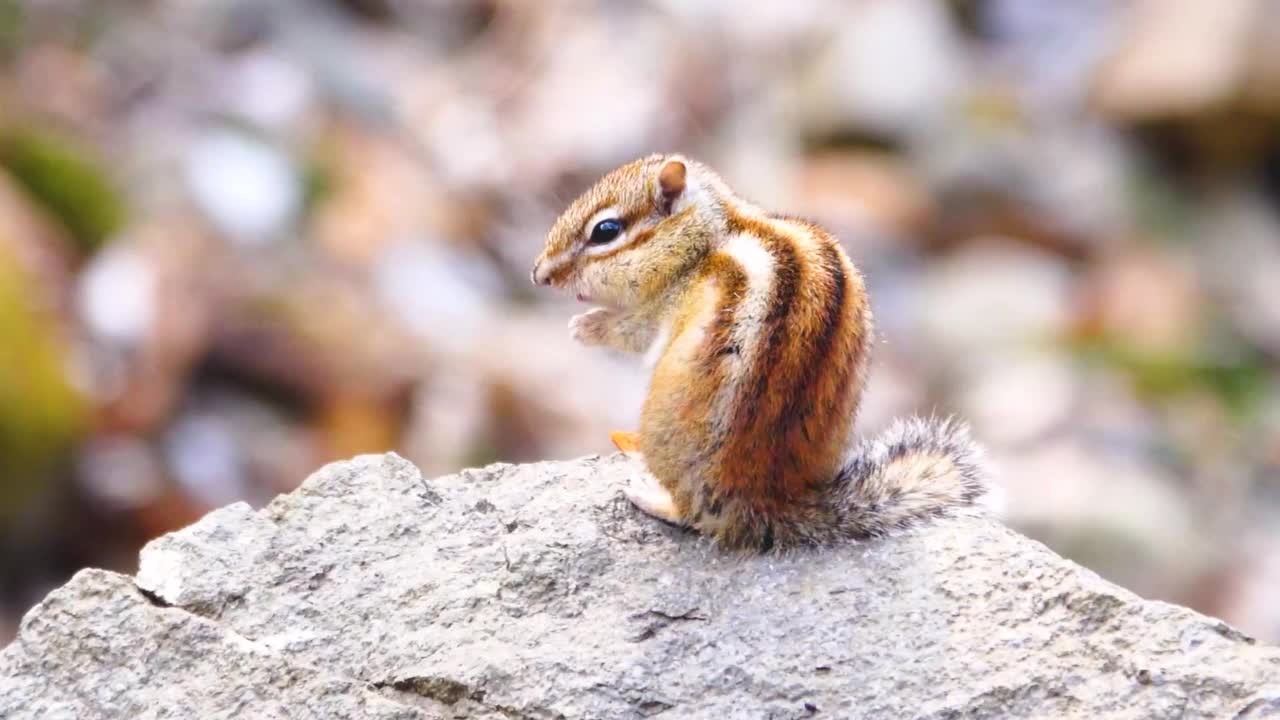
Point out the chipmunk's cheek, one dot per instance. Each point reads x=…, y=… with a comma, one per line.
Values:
x=588, y=280
x=593, y=286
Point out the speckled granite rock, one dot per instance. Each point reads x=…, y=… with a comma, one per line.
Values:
x=535, y=591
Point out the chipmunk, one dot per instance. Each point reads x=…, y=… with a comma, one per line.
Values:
x=758, y=330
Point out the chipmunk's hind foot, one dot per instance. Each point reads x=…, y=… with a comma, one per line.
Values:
x=645, y=492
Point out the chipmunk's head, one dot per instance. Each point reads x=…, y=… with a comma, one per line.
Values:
x=634, y=233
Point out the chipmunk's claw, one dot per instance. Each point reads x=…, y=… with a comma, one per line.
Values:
x=627, y=442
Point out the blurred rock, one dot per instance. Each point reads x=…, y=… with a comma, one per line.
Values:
x=149, y=302
x=1269, y=431
x=117, y=296
x=353, y=419
x=449, y=420
x=267, y=89
x=989, y=177
x=1111, y=415
x=62, y=82
x=463, y=133
x=759, y=27
x=863, y=196
x=1117, y=515
x=1050, y=49
x=206, y=459
x=490, y=401
x=1019, y=398
x=1076, y=179
x=851, y=88
x=1242, y=263
x=249, y=189
x=1150, y=301
x=449, y=300
x=991, y=298
x=1180, y=58
x=593, y=102
x=893, y=390
x=381, y=196
x=120, y=472
x=1251, y=602
x=573, y=395
x=273, y=335
x=1262, y=77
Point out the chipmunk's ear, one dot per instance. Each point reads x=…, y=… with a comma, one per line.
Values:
x=671, y=183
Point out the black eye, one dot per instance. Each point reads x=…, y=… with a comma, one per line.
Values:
x=605, y=231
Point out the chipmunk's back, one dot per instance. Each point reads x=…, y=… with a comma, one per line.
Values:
x=753, y=401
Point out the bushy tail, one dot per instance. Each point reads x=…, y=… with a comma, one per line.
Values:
x=917, y=470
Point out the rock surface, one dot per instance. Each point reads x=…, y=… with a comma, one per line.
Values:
x=535, y=591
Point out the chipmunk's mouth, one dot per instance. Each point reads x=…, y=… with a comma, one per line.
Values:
x=583, y=297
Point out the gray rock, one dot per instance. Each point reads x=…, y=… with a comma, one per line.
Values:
x=98, y=648
x=536, y=592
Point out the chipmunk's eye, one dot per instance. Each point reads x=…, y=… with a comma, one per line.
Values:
x=605, y=231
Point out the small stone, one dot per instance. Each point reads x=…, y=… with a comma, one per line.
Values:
x=117, y=295
x=991, y=297
x=248, y=188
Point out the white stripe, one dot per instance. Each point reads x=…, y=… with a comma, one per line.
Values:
x=756, y=261
x=758, y=265
x=748, y=318
x=658, y=346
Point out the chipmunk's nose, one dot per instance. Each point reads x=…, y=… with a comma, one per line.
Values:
x=536, y=275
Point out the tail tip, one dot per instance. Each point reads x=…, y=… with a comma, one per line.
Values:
x=948, y=438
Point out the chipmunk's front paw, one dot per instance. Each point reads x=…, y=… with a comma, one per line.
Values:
x=590, y=327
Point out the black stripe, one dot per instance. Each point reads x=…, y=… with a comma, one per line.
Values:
x=797, y=406
x=750, y=423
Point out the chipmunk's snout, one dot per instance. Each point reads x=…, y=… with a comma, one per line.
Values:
x=551, y=270
x=538, y=275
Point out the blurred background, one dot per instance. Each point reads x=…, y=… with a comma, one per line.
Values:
x=239, y=239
